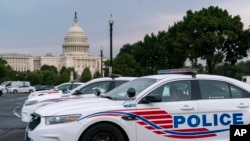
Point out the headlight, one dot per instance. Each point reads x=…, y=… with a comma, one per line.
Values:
x=61, y=119
x=28, y=103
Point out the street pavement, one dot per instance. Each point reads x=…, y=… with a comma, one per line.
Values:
x=11, y=126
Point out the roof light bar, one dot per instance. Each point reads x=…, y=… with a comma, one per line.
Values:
x=114, y=75
x=188, y=71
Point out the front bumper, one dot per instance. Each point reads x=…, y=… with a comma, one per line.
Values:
x=26, y=112
x=57, y=132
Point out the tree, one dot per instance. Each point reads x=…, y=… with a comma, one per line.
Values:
x=36, y=78
x=212, y=35
x=126, y=65
x=49, y=68
x=173, y=54
x=97, y=74
x=3, y=62
x=228, y=70
x=86, y=75
x=65, y=75
x=5, y=70
x=49, y=78
x=199, y=67
x=126, y=49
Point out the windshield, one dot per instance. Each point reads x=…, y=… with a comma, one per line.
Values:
x=120, y=93
x=5, y=82
x=69, y=86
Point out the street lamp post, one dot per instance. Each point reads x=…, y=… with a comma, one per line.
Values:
x=111, y=22
x=101, y=61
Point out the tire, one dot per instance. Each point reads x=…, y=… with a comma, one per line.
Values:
x=30, y=91
x=14, y=91
x=103, y=132
x=1, y=93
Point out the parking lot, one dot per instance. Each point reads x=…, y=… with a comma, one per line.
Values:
x=11, y=127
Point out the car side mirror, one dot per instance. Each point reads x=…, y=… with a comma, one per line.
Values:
x=131, y=92
x=97, y=92
x=64, y=90
x=77, y=92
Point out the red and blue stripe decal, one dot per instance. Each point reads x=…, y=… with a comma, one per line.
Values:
x=160, y=122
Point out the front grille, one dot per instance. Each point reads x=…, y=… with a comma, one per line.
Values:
x=34, y=122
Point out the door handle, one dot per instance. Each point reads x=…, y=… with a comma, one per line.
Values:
x=186, y=107
x=242, y=105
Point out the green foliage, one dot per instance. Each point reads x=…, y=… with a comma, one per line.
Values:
x=213, y=35
x=199, y=67
x=49, y=78
x=106, y=69
x=126, y=65
x=49, y=68
x=62, y=70
x=97, y=75
x=86, y=75
x=228, y=70
x=3, y=72
x=65, y=75
x=35, y=78
x=3, y=62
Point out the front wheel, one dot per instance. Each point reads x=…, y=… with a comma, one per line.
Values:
x=103, y=132
x=14, y=91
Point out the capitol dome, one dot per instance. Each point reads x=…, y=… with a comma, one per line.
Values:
x=75, y=42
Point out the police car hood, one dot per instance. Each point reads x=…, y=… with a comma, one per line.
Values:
x=69, y=107
x=44, y=92
x=59, y=98
x=45, y=97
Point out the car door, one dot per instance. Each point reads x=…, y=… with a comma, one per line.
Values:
x=221, y=105
x=22, y=89
x=167, y=119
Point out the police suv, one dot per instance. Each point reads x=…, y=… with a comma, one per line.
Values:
x=145, y=109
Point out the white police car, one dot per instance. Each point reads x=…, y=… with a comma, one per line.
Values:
x=145, y=110
x=57, y=90
x=85, y=91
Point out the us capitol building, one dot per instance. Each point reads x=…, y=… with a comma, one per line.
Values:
x=75, y=55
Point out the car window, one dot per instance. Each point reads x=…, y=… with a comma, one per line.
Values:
x=212, y=89
x=74, y=86
x=140, y=84
x=102, y=86
x=119, y=82
x=68, y=86
x=238, y=93
x=174, y=91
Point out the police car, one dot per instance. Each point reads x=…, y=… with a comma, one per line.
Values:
x=57, y=90
x=85, y=91
x=145, y=110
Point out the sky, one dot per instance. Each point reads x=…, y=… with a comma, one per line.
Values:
x=38, y=27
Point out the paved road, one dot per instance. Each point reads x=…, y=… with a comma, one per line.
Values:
x=11, y=126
